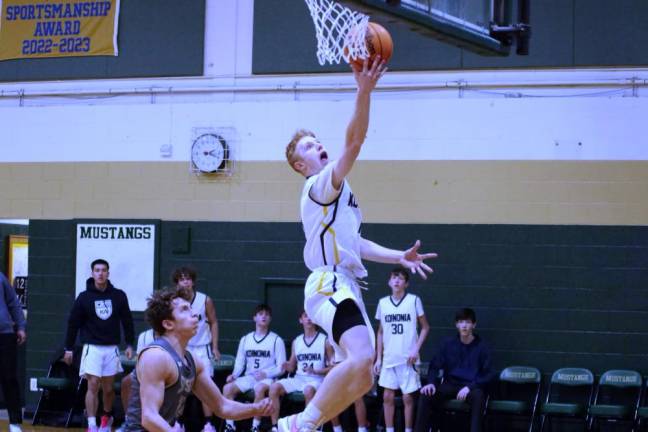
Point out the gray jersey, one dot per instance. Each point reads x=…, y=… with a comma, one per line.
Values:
x=174, y=395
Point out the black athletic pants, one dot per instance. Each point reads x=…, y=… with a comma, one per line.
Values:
x=430, y=407
x=8, y=378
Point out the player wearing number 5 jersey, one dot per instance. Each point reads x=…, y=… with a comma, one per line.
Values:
x=311, y=358
x=398, y=345
x=259, y=359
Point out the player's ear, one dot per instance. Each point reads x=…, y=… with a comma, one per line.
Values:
x=299, y=166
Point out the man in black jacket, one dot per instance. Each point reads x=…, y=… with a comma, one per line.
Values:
x=467, y=370
x=98, y=313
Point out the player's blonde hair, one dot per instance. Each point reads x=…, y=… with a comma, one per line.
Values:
x=291, y=148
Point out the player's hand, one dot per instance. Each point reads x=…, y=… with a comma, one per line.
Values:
x=412, y=357
x=263, y=408
x=377, y=367
x=216, y=352
x=413, y=260
x=310, y=370
x=129, y=352
x=259, y=375
x=67, y=358
x=368, y=75
x=229, y=379
x=285, y=366
x=428, y=390
x=463, y=393
x=21, y=337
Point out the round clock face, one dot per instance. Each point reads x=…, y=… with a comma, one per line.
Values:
x=209, y=152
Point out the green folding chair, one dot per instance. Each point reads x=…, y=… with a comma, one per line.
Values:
x=569, y=395
x=617, y=399
x=516, y=397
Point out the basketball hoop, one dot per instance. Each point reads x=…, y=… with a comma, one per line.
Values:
x=340, y=31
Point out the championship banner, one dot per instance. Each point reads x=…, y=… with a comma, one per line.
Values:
x=130, y=251
x=58, y=28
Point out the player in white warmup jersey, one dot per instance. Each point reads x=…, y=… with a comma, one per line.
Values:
x=204, y=345
x=398, y=346
x=311, y=358
x=333, y=252
x=260, y=358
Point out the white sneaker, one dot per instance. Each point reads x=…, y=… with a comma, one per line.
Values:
x=14, y=428
x=287, y=424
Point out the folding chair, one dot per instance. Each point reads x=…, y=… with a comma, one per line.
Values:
x=617, y=399
x=517, y=394
x=62, y=393
x=569, y=395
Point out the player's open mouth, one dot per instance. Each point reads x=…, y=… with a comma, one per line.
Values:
x=323, y=156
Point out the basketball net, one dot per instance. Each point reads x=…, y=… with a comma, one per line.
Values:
x=340, y=31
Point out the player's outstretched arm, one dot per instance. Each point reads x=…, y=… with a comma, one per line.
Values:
x=366, y=78
x=409, y=258
x=206, y=391
x=155, y=369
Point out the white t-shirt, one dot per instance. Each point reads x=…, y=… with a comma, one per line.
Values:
x=331, y=220
x=266, y=354
x=399, y=325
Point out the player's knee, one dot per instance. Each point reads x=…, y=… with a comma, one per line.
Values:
x=309, y=393
x=408, y=399
x=229, y=391
x=260, y=391
x=276, y=390
x=388, y=397
x=93, y=384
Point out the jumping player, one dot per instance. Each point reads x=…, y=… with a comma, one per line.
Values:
x=333, y=252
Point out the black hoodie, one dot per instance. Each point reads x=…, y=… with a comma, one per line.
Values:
x=98, y=315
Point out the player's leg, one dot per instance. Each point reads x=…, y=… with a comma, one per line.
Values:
x=108, y=398
x=409, y=382
x=92, y=400
x=260, y=392
x=388, y=407
x=361, y=414
x=277, y=390
x=203, y=354
x=309, y=393
x=233, y=389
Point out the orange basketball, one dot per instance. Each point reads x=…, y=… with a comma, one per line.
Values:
x=378, y=41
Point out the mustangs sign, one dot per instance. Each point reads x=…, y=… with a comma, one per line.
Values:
x=58, y=28
x=130, y=251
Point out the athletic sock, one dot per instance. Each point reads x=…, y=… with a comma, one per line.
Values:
x=337, y=428
x=362, y=429
x=391, y=429
x=309, y=419
x=256, y=422
x=92, y=421
x=408, y=429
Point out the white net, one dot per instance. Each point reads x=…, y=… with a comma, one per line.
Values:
x=340, y=31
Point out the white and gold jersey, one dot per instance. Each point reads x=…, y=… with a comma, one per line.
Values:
x=331, y=220
x=311, y=354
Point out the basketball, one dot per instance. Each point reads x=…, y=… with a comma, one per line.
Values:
x=378, y=41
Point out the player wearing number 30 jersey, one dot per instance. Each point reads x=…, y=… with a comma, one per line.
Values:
x=400, y=313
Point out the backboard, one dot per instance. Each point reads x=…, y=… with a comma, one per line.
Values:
x=482, y=26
